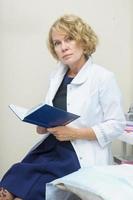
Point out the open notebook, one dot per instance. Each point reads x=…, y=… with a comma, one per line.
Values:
x=43, y=115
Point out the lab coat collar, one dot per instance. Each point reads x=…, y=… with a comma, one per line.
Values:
x=82, y=75
x=79, y=79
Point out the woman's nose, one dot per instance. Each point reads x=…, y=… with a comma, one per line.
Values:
x=64, y=46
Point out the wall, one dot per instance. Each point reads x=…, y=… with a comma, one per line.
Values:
x=25, y=62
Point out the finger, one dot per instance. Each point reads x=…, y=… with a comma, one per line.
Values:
x=52, y=130
x=40, y=130
x=60, y=138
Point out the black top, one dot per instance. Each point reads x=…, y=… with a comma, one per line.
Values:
x=61, y=95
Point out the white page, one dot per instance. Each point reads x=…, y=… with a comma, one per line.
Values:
x=19, y=111
x=33, y=109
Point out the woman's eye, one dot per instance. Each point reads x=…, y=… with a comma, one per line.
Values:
x=68, y=39
x=56, y=43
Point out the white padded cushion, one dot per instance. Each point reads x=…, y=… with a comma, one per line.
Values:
x=114, y=182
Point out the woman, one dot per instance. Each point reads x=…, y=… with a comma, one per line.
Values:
x=83, y=88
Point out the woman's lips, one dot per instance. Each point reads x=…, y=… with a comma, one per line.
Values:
x=67, y=56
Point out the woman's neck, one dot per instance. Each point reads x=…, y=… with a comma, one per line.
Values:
x=74, y=69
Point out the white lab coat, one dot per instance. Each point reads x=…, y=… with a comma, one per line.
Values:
x=94, y=95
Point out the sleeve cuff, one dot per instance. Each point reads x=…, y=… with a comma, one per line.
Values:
x=101, y=136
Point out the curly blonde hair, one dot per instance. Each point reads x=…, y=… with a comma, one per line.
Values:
x=77, y=29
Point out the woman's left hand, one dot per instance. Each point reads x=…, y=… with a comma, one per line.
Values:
x=64, y=133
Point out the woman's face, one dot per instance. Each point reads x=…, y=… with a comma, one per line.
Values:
x=68, y=51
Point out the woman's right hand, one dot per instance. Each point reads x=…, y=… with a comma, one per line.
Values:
x=41, y=130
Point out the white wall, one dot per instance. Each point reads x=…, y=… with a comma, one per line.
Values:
x=25, y=62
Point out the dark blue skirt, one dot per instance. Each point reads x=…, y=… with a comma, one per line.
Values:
x=52, y=159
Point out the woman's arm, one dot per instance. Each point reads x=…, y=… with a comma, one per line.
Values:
x=66, y=133
x=113, y=122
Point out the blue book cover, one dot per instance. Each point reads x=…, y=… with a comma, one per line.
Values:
x=44, y=115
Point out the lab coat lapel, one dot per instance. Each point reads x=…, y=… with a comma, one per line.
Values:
x=82, y=76
x=56, y=80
